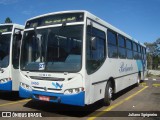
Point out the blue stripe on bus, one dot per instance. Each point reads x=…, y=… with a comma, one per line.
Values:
x=139, y=65
x=6, y=86
x=74, y=99
x=24, y=93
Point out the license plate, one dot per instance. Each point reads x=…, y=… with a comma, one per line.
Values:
x=44, y=98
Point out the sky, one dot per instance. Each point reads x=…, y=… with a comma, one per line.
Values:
x=138, y=18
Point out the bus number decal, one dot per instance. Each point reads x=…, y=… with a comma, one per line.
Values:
x=35, y=83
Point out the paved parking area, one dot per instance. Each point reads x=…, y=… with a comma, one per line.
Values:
x=133, y=101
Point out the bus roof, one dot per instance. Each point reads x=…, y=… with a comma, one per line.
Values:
x=95, y=18
x=14, y=24
x=112, y=27
x=60, y=12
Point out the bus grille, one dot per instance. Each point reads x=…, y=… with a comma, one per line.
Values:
x=47, y=78
x=45, y=89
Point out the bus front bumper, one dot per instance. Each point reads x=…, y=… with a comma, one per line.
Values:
x=7, y=86
x=25, y=93
x=73, y=99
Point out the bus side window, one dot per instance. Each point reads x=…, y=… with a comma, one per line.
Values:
x=145, y=54
x=112, y=44
x=16, y=48
x=121, y=47
x=96, y=48
x=129, y=49
x=139, y=52
x=135, y=49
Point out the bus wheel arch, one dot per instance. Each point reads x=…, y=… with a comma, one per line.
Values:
x=109, y=90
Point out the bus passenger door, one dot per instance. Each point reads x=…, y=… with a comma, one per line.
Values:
x=16, y=42
x=95, y=59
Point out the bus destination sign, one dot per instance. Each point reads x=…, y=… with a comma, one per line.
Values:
x=55, y=19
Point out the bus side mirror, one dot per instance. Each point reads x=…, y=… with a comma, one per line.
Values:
x=93, y=43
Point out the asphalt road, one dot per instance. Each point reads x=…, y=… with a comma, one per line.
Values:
x=135, y=102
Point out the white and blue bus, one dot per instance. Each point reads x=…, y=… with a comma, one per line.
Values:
x=75, y=58
x=10, y=39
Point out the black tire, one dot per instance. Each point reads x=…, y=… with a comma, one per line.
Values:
x=108, y=94
x=138, y=79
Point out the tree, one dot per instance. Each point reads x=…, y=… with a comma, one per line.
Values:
x=153, y=54
x=158, y=41
x=8, y=20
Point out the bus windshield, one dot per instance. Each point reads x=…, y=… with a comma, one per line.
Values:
x=56, y=49
x=4, y=49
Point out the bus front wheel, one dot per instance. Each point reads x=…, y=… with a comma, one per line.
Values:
x=108, y=94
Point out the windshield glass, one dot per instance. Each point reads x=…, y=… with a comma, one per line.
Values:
x=4, y=49
x=52, y=49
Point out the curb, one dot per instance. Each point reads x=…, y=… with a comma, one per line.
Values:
x=152, y=79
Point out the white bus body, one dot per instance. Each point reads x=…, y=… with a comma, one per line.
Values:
x=76, y=60
x=10, y=38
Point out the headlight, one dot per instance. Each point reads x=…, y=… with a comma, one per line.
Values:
x=74, y=90
x=25, y=86
x=5, y=80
